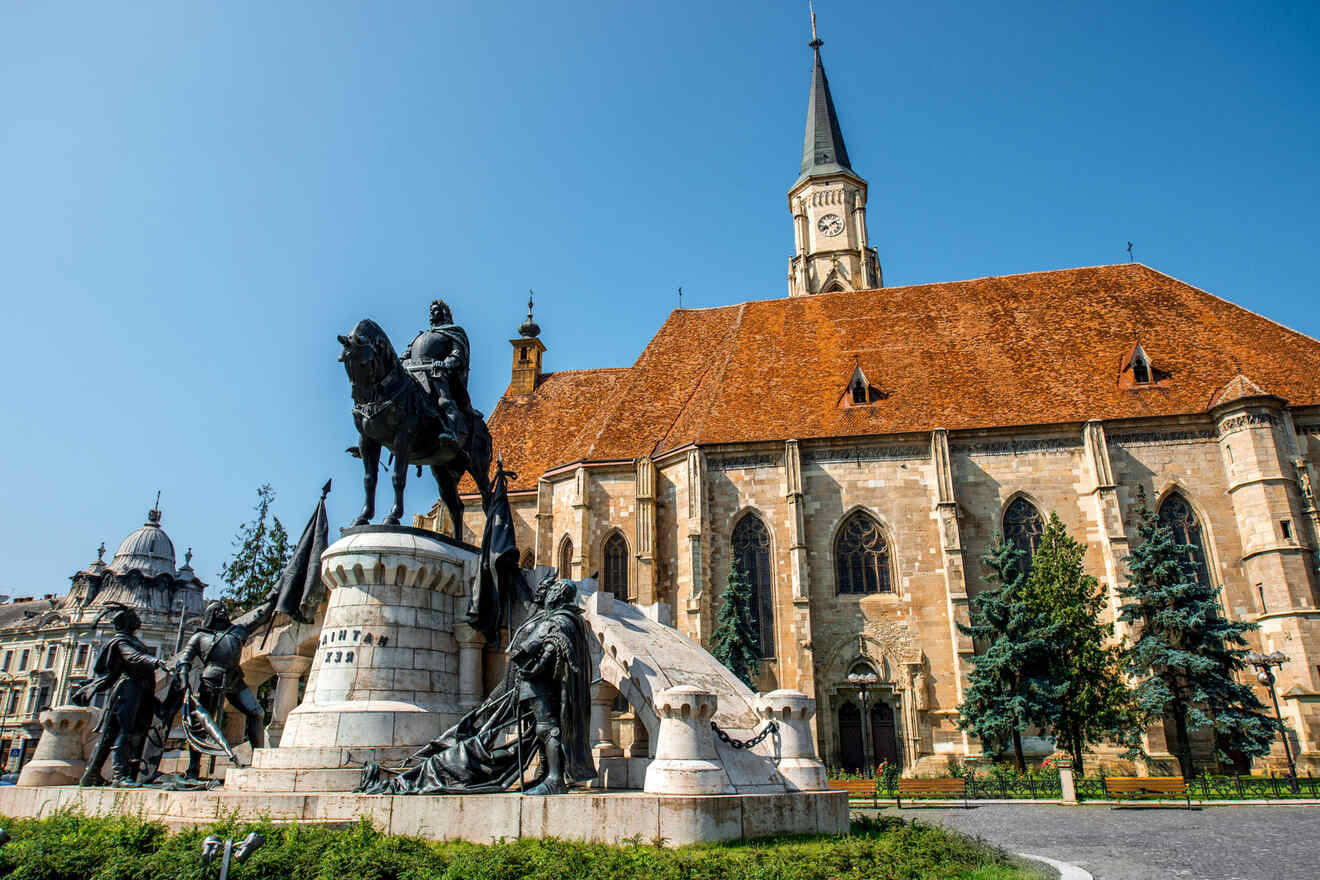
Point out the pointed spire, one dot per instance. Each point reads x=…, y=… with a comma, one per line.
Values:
x=823, y=151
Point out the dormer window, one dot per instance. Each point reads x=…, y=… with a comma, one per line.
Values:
x=1136, y=370
x=1141, y=371
x=860, y=391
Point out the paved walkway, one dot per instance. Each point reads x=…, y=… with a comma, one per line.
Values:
x=1214, y=843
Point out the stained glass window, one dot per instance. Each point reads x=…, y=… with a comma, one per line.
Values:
x=751, y=552
x=1177, y=514
x=861, y=556
x=1023, y=526
x=615, y=578
x=566, y=558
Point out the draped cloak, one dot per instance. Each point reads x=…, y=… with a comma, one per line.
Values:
x=480, y=753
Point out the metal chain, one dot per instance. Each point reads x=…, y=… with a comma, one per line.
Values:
x=770, y=728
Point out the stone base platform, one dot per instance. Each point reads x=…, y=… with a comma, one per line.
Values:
x=605, y=817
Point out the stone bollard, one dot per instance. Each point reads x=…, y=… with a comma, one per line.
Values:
x=58, y=759
x=685, y=759
x=1067, y=785
x=792, y=711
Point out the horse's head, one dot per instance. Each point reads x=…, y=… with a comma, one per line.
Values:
x=368, y=355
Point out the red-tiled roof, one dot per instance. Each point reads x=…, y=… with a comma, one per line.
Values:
x=1030, y=349
x=532, y=430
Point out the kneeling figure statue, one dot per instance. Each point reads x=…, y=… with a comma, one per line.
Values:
x=541, y=709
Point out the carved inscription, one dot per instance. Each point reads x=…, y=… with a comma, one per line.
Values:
x=740, y=462
x=866, y=453
x=1158, y=438
x=1020, y=447
x=1245, y=421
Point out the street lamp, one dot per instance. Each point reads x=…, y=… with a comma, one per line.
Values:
x=862, y=681
x=212, y=847
x=1265, y=664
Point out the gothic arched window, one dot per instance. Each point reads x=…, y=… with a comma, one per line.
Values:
x=1023, y=526
x=861, y=556
x=615, y=575
x=751, y=553
x=566, y=557
x=1177, y=514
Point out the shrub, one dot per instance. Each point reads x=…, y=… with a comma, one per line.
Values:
x=71, y=846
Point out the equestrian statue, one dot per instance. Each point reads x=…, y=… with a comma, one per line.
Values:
x=418, y=407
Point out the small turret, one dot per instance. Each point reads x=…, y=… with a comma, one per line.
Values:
x=527, y=352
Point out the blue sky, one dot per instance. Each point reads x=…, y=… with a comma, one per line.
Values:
x=195, y=198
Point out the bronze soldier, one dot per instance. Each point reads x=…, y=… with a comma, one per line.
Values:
x=125, y=669
x=219, y=647
x=438, y=359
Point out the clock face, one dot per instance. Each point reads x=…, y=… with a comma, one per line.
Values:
x=830, y=224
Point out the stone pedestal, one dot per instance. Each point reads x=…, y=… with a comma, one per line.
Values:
x=58, y=759
x=385, y=677
x=1067, y=784
x=685, y=759
x=798, y=764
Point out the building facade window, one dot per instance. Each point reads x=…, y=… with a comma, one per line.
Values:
x=861, y=556
x=1177, y=515
x=12, y=706
x=31, y=701
x=43, y=698
x=9, y=659
x=566, y=558
x=1023, y=526
x=81, y=659
x=23, y=659
x=751, y=553
x=51, y=654
x=615, y=574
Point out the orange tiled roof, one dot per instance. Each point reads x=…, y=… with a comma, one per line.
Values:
x=530, y=430
x=1032, y=349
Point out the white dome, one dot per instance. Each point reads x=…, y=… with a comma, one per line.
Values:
x=149, y=550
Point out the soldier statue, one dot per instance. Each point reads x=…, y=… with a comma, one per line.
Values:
x=438, y=359
x=125, y=671
x=218, y=645
x=546, y=683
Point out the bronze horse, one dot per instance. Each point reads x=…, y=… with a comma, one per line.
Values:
x=391, y=409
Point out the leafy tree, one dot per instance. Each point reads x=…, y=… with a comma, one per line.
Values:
x=1010, y=686
x=734, y=641
x=1094, y=703
x=1186, y=655
x=261, y=550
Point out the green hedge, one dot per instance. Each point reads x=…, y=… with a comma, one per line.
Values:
x=70, y=846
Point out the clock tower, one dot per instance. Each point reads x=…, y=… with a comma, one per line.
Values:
x=828, y=204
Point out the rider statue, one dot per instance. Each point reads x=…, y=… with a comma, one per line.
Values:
x=219, y=647
x=438, y=359
x=125, y=670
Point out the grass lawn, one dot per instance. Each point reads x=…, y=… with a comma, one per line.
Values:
x=70, y=846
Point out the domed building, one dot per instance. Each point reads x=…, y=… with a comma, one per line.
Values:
x=48, y=645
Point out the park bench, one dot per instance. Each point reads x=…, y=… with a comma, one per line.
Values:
x=857, y=788
x=1127, y=787
x=943, y=788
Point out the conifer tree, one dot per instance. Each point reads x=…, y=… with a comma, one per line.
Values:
x=1094, y=703
x=1009, y=688
x=734, y=641
x=1187, y=654
x=261, y=550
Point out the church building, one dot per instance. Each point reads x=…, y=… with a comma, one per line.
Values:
x=856, y=449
